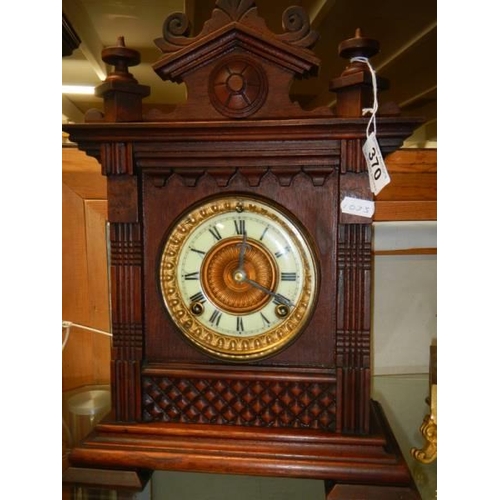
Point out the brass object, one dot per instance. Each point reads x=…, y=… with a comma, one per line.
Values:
x=226, y=288
x=428, y=453
x=231, y=301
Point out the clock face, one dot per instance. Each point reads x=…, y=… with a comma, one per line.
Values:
x=238, y=277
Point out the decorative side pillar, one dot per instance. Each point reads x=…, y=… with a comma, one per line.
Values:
x=353, y=326
x=122, y=97
x=354, y=90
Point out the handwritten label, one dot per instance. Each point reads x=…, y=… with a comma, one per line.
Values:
x=377, y=171
x=356, y=206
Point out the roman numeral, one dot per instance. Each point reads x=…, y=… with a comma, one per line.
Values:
x=239, y=226
x=265, y=320
x=288, y=276
x=280, y=253
x=239, y=324
x=264, y=233
x=215, y=233
x=192, y=276
x=198, y=297
x=215, y=318
x=201, y=252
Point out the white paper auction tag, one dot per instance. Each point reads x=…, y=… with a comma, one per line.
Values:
x=356, y=206
x=377, y=171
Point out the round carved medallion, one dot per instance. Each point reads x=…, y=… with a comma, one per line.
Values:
x=225, y=283
x=238, y=87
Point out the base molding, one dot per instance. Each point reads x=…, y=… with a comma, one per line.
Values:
x=340, y=460
x=370, y=492
x=130, y=480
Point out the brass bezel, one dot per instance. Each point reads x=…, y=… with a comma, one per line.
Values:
x=210, y=341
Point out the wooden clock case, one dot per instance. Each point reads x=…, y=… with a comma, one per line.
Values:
x=306, y=411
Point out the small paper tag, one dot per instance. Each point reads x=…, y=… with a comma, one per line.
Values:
x=356, y=206
x=377, y=171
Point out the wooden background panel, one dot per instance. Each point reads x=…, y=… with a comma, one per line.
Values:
x=82, y=174
x=410, y=186
x=412, y=192
x=86, y=357
x=387, y=211
x=413, y=160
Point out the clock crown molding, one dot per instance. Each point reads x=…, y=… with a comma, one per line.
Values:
x=234, y=23
x=233, y=60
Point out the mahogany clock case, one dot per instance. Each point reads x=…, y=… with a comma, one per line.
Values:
x=306, y=410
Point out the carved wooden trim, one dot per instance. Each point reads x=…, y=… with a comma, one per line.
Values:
x=354, y=257
x=238, y=86
x=353, y=324
x=122, y=199
x=235, y=23
x=352, y=158
x=176, y=28
x=225, y=176
x=298, y=28
x=117, y=158
x=233, y=399
x=419, y=205
x=126, y=285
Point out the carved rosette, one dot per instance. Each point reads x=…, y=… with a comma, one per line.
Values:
x=238, y=87
x=228, y=294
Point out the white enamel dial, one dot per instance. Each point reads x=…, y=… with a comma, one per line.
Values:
x=238, y=277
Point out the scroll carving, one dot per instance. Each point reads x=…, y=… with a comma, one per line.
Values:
x=176, y=30
x=295, y=21
x=298, y=28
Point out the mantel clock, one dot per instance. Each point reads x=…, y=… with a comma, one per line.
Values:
x=240, y=290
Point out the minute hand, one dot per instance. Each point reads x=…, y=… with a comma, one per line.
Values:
x=277, y=296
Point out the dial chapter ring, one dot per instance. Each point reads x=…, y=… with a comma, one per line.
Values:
x=178, y=284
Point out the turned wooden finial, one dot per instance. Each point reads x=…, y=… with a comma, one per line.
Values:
x=121, y=58
x=354, y=86
x=121, y=92
x=359, y=46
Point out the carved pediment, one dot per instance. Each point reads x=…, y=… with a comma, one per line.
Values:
x=236, y=22
x=237, y=55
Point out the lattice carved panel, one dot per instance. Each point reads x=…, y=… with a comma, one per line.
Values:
x=259, y=403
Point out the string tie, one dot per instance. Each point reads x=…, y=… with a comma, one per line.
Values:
x=373, y=110
x=67, y=327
